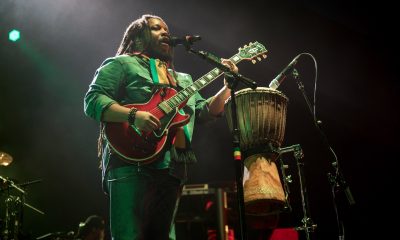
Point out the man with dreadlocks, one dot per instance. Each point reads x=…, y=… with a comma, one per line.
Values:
x=143, y=197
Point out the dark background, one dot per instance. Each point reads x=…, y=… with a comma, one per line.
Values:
x=44, y=76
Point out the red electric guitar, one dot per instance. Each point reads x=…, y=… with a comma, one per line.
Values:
x=136, y=146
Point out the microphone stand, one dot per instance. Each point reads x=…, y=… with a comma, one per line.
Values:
x=238, y=163
x=336, y=180
x=214, y=60
x=232, y=79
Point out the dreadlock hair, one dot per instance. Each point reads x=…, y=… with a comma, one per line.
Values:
x=135, y=34
x=91, y=223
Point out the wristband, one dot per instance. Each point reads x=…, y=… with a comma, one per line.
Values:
x=132, y=116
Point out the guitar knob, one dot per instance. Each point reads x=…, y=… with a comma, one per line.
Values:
x=162, y=93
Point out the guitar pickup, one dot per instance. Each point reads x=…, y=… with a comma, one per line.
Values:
x=165, y=107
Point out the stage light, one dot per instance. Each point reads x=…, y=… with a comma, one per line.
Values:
x=14, y=35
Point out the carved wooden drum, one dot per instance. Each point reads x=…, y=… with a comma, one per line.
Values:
x=261, y=115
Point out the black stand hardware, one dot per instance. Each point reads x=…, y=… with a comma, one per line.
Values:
x=336, y=179
x=214, y=60
x=232, y=79
x=308, y=225
x=14, y=208
x=222, y=227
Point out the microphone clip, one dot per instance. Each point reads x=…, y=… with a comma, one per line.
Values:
x=186, y=41
x=274, y=84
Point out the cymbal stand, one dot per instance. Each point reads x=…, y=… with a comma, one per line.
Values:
x=14, y=209
x=308, y=225
x=13, y=215
x=11, y=184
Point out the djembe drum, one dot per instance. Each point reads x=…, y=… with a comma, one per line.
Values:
x=261, y=115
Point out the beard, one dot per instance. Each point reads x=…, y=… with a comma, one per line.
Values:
x=156, y=50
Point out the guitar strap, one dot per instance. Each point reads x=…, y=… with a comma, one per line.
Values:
x=160, y=75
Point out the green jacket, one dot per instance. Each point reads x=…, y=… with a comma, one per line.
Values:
x=126, y=79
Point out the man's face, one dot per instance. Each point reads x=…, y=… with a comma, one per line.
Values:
x=159, y=47
x=97, y=233
x=101, y=234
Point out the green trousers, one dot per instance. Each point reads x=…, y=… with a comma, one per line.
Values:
x=142, y=203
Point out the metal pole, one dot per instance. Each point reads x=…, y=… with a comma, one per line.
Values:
x=222, y=231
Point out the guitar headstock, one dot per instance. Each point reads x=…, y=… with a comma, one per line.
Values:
x=254, y=51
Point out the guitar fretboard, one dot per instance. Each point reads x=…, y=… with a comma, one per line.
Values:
x=196, y=86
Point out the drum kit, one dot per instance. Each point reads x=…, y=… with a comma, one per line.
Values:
x=11, y=221
x=261, y=121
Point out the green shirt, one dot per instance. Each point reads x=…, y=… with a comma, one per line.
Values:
x=126, y=79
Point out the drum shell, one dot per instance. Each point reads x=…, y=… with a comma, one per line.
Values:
x=262, y=186
x=261, y=115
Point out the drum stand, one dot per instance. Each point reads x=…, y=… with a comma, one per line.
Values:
x=14, y=210
x=308, y=225
x=286, y=180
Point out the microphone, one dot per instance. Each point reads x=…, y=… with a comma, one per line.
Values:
x=274, y=84
x=186, y=40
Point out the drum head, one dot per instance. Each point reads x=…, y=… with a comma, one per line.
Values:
x=265, y=90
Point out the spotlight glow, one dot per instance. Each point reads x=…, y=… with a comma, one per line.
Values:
x=14, y=35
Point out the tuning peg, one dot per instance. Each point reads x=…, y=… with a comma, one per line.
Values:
x=289, y=179
x=264, y=56
x=258, y=58
x=240, y=49
x=253, y=61
x=285, y=166
x=245, y=46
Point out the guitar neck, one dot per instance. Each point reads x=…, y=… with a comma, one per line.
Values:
x=196, y=86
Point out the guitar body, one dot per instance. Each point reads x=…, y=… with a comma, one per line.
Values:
x=136, y=146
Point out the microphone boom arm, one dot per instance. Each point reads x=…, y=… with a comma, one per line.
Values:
x=214, y=60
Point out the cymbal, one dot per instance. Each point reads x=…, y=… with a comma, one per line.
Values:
x=5, y=159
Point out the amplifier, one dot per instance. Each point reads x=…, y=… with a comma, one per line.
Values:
x=202, y=209
x=197, y=189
